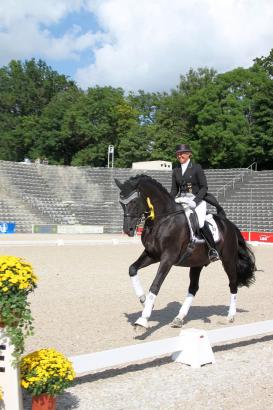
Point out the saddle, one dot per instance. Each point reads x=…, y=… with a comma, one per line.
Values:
x=194, y=226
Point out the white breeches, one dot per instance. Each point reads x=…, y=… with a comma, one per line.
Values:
x=201, y=211
x=201, y=208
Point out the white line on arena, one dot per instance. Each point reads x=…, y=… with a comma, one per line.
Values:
x=65, y=242
x=92, y=242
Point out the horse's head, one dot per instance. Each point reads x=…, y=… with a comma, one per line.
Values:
x=133, y=205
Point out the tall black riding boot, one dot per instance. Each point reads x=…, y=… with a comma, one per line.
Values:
x=213, y=254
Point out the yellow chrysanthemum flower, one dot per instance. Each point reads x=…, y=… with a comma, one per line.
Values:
x=16, y=274
x=46, y=371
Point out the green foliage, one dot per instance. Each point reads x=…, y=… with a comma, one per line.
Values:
x=101, y=118
x=266, y=63
x=16, y=314
x=226, y=118
x=25, y=90
x=17, y=280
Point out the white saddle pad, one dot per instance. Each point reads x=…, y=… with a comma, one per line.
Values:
x=213, y=227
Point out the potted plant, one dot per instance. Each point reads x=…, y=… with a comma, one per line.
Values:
x=44, y=374
x=17, y=280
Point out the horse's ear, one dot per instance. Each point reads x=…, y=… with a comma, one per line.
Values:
x=118, y=183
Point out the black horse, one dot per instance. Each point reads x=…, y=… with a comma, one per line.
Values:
x=166, y=238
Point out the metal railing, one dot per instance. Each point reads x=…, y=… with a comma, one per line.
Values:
x=231, y=184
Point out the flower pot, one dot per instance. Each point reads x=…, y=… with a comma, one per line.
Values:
x=43, y=402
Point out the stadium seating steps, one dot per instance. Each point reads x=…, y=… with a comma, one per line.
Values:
x=50, y=194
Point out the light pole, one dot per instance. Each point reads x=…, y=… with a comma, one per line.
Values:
x=111, y=150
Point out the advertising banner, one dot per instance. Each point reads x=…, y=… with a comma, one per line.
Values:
x=265, y=237
x=44, y=228
x=7, y=227
x=80, y=229
x=261, y=237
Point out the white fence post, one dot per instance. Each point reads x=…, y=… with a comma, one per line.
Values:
x=9, y=376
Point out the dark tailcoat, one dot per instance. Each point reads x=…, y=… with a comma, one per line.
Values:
x=195, y=178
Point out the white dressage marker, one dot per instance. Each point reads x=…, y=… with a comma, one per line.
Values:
x=180, y=344
x=195, y=348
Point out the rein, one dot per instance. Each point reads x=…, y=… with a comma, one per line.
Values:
x=165, y=217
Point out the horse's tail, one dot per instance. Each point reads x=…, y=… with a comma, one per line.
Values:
x=245, y=266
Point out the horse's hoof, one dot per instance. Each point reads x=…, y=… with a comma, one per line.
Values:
x=141, y=322
x=231, y=319
x=142, y=300
x=177, y=322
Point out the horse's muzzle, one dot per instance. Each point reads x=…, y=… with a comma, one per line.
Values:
x=130, y=232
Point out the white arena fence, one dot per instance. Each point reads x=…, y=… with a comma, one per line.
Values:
x=192, y=347
x=194, y=344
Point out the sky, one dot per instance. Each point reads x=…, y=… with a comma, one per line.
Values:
x=135, y=44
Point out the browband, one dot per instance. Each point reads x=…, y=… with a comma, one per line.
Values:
x=126, y=201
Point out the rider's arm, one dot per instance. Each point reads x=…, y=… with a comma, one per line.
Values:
x=175, y=186
x=203, y=185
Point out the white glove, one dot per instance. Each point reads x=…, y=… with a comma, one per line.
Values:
x=179, y=200
x=192, y=204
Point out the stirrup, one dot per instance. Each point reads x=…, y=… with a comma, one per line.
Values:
x=213, y=255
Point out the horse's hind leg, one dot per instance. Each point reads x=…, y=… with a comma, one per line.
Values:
x=143, y=261
x=230, y=269
x=193, y=288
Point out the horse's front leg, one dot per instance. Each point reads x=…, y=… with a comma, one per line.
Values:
x=193, y=288
x=162, y=272
x=143, y=261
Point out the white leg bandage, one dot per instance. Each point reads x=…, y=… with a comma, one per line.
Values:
x=149, y=304
x=137, y=286
x=232, y=306
x=186, y=306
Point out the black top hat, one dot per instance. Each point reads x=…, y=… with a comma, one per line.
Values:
x=183, y=148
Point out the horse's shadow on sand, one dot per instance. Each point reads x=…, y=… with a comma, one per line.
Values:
x=166, y=315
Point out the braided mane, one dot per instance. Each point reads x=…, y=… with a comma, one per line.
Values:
x=133, y=183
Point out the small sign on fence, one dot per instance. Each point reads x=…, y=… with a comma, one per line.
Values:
x=7, y=227
x=44, y=228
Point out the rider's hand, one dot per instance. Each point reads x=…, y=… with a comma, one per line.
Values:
x=192, y=204
x=179, y=200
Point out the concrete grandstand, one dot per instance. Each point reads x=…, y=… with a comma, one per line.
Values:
x=48, y=194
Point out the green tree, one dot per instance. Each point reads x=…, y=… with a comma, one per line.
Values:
x=49, y=137
x=261, y=119
x=266, y=63
x=220, y=119
x=25, y=90
x=97, y=119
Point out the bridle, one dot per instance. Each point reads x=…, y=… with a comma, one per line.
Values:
x=126, y=201
x=147, y=214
